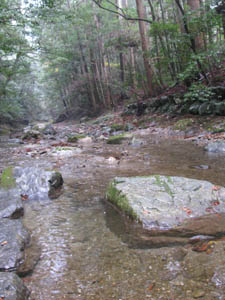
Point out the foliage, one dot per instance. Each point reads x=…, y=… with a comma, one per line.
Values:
x=199, y=92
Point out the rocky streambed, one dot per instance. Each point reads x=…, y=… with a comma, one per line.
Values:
x=87, y=250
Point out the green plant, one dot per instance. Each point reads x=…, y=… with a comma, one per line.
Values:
x=183, y=124
x=198, y=92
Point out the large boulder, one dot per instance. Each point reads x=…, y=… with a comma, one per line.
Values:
x=170, y=210
x=36, y=183
x=11, y=205
x=13, y=239
x=12, y=287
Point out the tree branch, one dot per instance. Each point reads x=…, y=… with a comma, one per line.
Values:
x=97, y=2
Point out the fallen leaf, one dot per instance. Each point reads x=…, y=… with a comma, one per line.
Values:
x=187, y=210
x=4, y=243
x=216, y=188
x=209, y=209
x=215, y=203
x=24, y=197
x=151, y=286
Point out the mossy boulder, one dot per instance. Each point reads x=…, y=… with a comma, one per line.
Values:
x=32, y=134
x=117, y=139
x=75, y=138
x=117, y=127
x=170, y=210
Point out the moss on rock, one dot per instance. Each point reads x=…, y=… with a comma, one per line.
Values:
x=116, y=139
x=7, y=179
x=116, y=197
x=75, y=138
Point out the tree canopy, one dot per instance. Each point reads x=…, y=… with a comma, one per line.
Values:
x=81, y=57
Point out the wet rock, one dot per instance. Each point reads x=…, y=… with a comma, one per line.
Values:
x=32, y=255
x=170, y=209
x=12, y=287
x=13, y=238
x=135, y=142
x=36, y=183
x=49, y=130
x=219, y=276
x=11, y=205
x=216, y=147
x=198, y=294
x=62, y=117
x=116, y=139
x=31, y=134
x=86, y=140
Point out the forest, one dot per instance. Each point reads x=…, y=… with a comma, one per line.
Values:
x=74, y=58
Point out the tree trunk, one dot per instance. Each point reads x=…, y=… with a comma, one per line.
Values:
x=144, y=43
x=195, y=8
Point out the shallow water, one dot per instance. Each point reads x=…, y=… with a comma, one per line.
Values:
x=86, y=250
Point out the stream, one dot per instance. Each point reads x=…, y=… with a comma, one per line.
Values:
x=87, y=251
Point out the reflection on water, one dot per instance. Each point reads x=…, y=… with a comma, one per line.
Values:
x=87, y=252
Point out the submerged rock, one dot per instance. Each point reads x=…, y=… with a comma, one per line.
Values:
x=216, y=147
x=12, y=287
x=11, y=205
x=170, y=209
x=13, y=238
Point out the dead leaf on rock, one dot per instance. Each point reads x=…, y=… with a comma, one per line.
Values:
x=24, y=197
x=4, y=243
x=216, y=188
x=205, y=247
x=215, y=203
x=187, y=210
x=151, y=286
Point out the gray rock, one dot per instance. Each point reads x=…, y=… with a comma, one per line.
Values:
x=194, y=108
x=216, y=147
x=170, y=209
x=49, y=130
x=220, y=108
x=206, y=108
x=35, y=182
x=13, y=238
x=12, y=287
x=11, y=205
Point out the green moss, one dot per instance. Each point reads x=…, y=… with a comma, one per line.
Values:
x=116, y=139
x=164, y=184
x=183, y=124
x=75, y=138
x=7, y=179
x=5, y=131
x=116, y=197
x=117, y=127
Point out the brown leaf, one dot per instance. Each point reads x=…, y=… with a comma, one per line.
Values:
x=215, y=203
x=187, y=210
x=151, y=286
x=24, y=197
x=4, y=243
x=216, y=188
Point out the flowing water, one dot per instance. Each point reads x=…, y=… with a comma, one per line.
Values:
x=87, y=252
